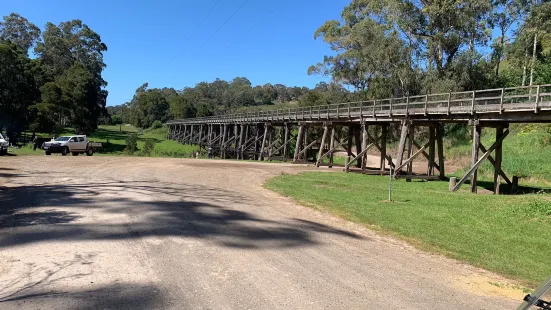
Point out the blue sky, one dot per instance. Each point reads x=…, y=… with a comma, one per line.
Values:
x=267, y=41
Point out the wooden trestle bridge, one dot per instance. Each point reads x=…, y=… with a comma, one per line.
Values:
x=316, y=133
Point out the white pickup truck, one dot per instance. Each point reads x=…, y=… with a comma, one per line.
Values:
x=71, y=144
x=3, y=145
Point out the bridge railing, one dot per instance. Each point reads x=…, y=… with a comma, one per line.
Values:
x=499, y=100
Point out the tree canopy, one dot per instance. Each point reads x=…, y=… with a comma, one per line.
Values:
x=63, y=84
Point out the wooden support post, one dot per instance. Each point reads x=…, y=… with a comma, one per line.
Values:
x=346, y=164
x=358, y=142
x=223, y=142
x=453, y=182
x=384, y=133
x=432, y=144
x=305, y=147
x=411, y=138
x=191, y=136
x=236, y=138
x=239, y=150
x=401, y=147
x=498, y=157
x=200, y=138
x=322, y=145
x=261, y=154
x=286, y=141
x=256, y=145
x=364, y=130
x=440, y=139
x=514, y=185
x=299, y=140
x=332, y=146
x=350, y=139
x=477, y=130
x=480, y=160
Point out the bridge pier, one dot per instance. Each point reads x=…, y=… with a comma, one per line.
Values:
x=502, y=131
x=434, y=145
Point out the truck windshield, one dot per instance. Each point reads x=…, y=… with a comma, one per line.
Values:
x=63, y=139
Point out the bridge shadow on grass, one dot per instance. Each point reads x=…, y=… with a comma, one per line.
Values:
x=49, y=212
x=505, y=189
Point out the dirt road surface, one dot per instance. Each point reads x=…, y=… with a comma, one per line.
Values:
x=145, y=233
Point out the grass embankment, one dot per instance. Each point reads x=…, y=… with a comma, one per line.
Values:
x=526, y=153
x=113, y=140
x=509, y=235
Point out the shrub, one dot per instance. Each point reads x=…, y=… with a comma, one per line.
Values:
x=131, y=144
x=156, y=125
x=148, y=147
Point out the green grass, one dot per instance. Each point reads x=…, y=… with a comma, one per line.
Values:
x=510, y=235
x=525, y=153
x=113, y=140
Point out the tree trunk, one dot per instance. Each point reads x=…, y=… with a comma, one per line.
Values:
x=500, y=52
x=524, y=67
x=533, y=65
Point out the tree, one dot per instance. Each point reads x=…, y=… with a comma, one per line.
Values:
x=368, y=53
x=17, y=88
x=18, y=30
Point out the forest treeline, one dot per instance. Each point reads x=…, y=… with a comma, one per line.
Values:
x=51, y=78
x=388, y=48
x=61, y=85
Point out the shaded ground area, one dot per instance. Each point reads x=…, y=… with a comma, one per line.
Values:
x=142, y=233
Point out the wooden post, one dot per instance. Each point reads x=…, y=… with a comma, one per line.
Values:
x=240, y=144
x=411, y=137
x=331, y=146
x=441, y=132
x=191, y=136
x=286, y=141
x=401, y=147
x=200, y=138
x=246, y=138
x=498, y=158
x=346, y=162
x=261, y=154
x=364, y=130
x=257, y=138
x=358, y=142
x=350, y=139
x=477, y=130
x=432, y=144
x=384, y=133
x=453, y=182
x=299, y=140
x=323, y=140
x=514, y=185
x=223, y=142
x=305, y=147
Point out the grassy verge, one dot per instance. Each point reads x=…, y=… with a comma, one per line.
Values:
x=509, y=235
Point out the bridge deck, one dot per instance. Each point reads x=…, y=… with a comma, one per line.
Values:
x=521, y=104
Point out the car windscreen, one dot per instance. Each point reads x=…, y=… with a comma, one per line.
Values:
x=62, y=139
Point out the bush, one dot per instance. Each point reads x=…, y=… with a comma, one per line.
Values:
x=156, y=125
x=131, y=144
x=148, y=147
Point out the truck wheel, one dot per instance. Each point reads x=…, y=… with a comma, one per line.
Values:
x=75, y=154
x=65, y=151
x=48, y=153
x=89, y=152
x=3, y=152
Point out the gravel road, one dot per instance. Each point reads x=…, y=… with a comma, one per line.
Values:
x=146, y=233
